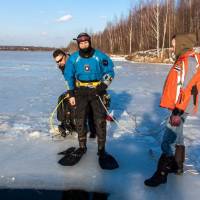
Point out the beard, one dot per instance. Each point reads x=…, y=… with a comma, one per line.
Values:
x=86, y=52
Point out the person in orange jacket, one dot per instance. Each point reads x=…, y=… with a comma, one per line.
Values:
x=180, y=95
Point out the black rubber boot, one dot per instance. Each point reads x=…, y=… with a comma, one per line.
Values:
x=172, y=166
x=160, y=176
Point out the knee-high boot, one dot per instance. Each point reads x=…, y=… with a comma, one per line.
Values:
x=163, y=168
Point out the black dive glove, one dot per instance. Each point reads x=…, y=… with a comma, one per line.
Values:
x=101, y=88
x=71, y=93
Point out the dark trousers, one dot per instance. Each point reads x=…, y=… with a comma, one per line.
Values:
x=90, y=120
x=84, y=99
x=66, y=114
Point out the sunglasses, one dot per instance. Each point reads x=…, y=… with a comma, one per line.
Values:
x=83, y=39
x=58, y=61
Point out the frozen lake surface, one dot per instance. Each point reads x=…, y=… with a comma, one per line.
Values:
x=30, y=84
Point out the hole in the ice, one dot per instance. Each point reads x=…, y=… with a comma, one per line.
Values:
x=33, y=194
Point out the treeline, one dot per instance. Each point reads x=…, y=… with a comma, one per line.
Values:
x=25, y=48
x=149, y=25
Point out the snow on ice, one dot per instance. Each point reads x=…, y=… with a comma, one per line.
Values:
x=29, y=86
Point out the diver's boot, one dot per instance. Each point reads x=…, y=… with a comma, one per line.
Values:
x=107, y=161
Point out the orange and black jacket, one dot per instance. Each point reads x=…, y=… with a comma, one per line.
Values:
x=179, y=91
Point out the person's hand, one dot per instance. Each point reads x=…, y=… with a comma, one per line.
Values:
x=72, y=101
x=175, y=118
x=100, y=89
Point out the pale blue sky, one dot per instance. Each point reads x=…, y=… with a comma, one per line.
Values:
x=55, y=22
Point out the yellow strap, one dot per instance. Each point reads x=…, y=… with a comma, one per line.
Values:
x=87, y=84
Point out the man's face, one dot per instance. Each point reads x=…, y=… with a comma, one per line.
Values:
x=173, y=44
x=84, y=45
x=60, y=60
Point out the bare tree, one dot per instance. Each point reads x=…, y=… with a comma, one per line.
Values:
x=155, y=23
x=130, y=31
x=149, y=25
x=165, y=28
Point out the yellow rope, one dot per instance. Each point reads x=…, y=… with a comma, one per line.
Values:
x=52, y=116
x=53, y=113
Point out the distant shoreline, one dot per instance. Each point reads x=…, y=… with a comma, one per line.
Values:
x=26, y=48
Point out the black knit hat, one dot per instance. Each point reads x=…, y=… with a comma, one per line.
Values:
x=83, y=37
